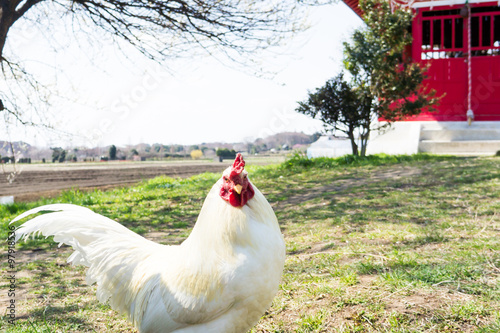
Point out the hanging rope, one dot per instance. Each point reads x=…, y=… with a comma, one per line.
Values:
x=470, y=113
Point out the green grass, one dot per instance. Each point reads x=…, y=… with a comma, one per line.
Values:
x=375, y=244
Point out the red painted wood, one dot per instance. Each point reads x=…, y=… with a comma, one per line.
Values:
x=354, y=5
x=449, y=76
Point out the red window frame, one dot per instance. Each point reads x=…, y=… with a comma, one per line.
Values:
x=439, y=51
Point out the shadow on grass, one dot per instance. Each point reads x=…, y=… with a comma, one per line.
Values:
x=469, y=272
x=357, y=201
x=53, y=318
x=467, y=278
x=47, y=312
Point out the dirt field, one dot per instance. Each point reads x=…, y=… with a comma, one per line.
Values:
x=47, y=180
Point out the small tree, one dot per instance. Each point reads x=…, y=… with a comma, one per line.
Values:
x=58, y=154
x=196, y=154
x=385, y=82
x=225, y=153
x=341, y=107
x=112, y=152
x=62, y=156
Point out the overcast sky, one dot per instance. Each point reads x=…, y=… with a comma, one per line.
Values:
x=135, y=101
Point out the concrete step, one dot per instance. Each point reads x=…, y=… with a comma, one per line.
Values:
x=461, y=125
x=459, y=147
x=459, y=134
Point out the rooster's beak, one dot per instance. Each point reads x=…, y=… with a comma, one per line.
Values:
x=238, y=188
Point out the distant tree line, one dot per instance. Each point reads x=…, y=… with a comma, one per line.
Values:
x=157, y=151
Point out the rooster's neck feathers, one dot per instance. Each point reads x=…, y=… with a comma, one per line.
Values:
x=225, y=226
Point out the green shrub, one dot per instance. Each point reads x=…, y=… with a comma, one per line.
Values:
x=300, y=160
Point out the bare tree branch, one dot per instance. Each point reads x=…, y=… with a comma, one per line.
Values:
x=158, y=29
x=19, y=12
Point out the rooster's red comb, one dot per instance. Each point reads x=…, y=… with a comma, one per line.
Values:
x=238, y=165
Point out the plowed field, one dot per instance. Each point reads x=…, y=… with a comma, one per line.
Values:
x=34, y=181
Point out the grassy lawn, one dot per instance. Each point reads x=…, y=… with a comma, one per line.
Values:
x=385, y=244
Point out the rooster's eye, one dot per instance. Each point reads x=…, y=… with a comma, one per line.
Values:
x=226, y=179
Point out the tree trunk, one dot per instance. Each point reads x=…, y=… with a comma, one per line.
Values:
x=4, y=26
x=363, y=146
x=353, y=143
x=364, y=142
x=9, y=14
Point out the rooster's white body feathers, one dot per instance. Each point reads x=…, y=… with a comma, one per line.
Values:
x=222, y=278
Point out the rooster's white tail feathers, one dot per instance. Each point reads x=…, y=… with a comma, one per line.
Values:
x=115, y=255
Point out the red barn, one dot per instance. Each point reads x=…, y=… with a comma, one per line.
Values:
x=460, y=40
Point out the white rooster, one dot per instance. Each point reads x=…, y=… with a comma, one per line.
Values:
x=222, y=278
